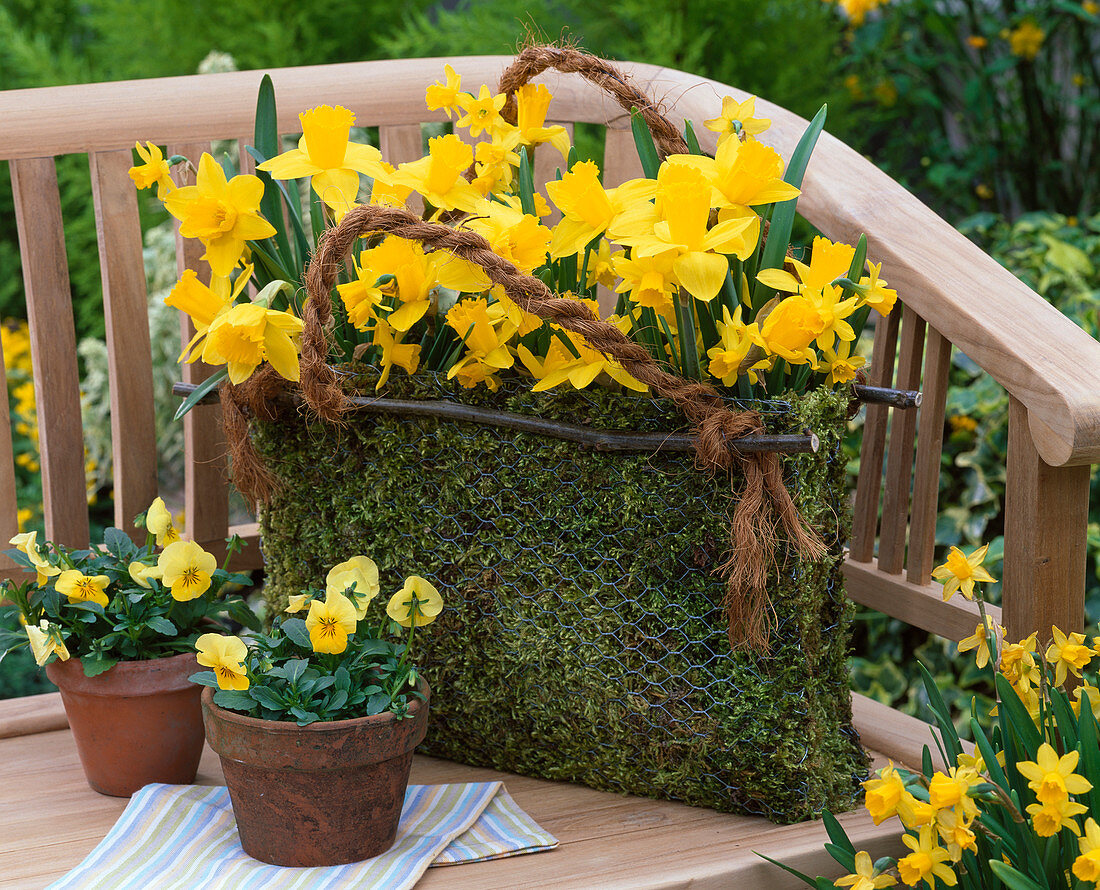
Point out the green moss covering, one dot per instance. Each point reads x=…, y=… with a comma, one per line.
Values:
x=583, y=637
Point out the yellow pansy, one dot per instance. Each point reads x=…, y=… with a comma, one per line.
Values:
x=961, y=572
x=1068, y=654
x=438, y=176
x=222, y=215
x=444, y=94
x=45, y=640
x=865, y=877
x=325, y=153
x=1086, y=867
x=81, y=588
x=588, y=209
x=153, y=170
x=187, y=569
x=158, y=521
x=28, y=544
x=298, y=601
x=249, y=334
x=927, y=862
x=330, y=623
x=356, y=577
x=1051, y=777
x=226, y=656
x=417, y=601
x=141, y=573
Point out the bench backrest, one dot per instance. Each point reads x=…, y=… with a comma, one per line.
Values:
x=955, y=297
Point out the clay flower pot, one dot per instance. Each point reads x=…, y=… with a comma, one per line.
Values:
x=323, y=794
x=137, y=723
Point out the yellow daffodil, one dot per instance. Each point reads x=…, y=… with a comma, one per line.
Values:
x=587, y=208
x=226, y=656
x=394, y=352
x=601, y=266
x=979, y=640
x=678, y=220
x=385, y=192
x=485, y=330
x=513, y=235
x=914, y=812
x=81, y=588
x=649, y=281
x=45, y=640
x=325, y=153
x=961, y=572
x=158, y=521
x=1092, y=694
x=444, y=94
x=141, y=573
x=1049, y=819
x=356, y=577
x=438, y=176
x=330, y=623
x=1018, y=660
x=204, y=304
x=153, y=170
x=187, y=569
x=27, y=542
x=927, y=862
x=1086, y=867
x=841, y=365
x=1068, y=655
x=496, y=162
x=737, y=118
x=865, y=877
x=1051, y=777
x=737, y=341
x=480, y=114
x=532, y=103
x=742, y=174
x=873, y=291
x=949, y=790
x=364, y=297
x=953, y=827
x=222, y=215
x=884, y=794
x=789, y=328
x=249, y=334
x=417, y=601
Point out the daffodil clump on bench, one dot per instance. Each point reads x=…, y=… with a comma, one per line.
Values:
x=696, y=250
x=334, y=664
x=1021, y=809
x=119, y=601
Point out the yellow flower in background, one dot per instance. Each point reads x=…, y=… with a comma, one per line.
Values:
x=736, y=118
x=1049, y=819
x=222, y=215
x=1086, y=867
x=927, y=862
x=187, y=569
x=444, y=94
x=45, y=640
x=326, y=154
x=249, y=334
x=394, y=352
x=865, y=877
x=438, y=176
x=532, y=103
x=1051, y=777
x=915, y=813
x=588, y=209
x=961, y=572
x=979, y=640
x=601, y=266
x=480, y=114
x=1067, y=654
x=158, y=521
x=356, y=577
x=363, y=297
x=1026, y=40
x=496, y=161
x=415, y=275
x=977, y=41
x=330, y=623
x=81, y=588
x=141, y=573
x=485, y=329
x=226, y=656
x=417, y=601
x=153, y=170
x=884, y=794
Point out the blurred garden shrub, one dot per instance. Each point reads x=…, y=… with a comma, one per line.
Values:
x=990, y=104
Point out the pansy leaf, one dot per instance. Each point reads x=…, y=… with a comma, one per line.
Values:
x=234, y=700
x=266, y=698
x=295, y=667
x=295, y=628
x=162, y=625
x=204, y=678
x=93, y=667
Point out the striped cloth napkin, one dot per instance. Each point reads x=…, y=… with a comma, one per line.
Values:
x=181, y=837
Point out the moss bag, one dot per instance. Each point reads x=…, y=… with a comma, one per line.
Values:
x=583, y=636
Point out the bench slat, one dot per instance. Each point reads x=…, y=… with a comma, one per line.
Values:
x=620, y=158
x=53, y=349
x=129, y=353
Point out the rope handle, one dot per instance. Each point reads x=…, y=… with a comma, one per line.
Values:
x=532, y=61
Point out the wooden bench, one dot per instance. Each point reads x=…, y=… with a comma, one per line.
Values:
x=954, y=297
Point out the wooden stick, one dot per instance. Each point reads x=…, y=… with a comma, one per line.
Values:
x=884, y=395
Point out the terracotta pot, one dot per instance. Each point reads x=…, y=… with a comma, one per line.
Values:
x=137, y=723
x=323, y=794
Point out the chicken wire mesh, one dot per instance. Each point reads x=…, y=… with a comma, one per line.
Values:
x=584, y=635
